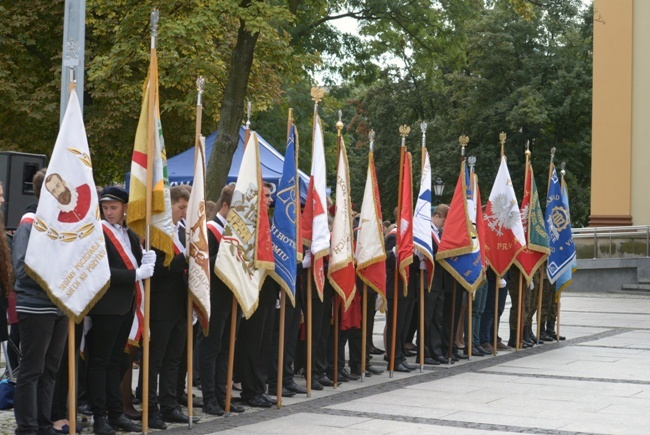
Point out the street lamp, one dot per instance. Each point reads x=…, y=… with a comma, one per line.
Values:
x=438, y=188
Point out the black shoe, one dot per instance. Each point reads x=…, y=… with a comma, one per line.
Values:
x=350, y=376
x=376, y=351
x=315, y=385
x=460, y=355
x=409, y=353
x=84, y=409
x=553, y=335
x=197, y=402
x=259, y=402
x=409, y=366
x=295, y=388
x=155, y=422
x=340, y=378
x=213, y=408
x=123, y=424
x=475, y=352
x=544, y=336
x=101, y=426
x=233, y=407
x=401, y=367
x=326, y=382
x=176, y=416
x=428, y=362
x=285, y=392
x=441, y=359
x=374, y=370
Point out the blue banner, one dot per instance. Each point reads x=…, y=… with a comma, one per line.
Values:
x=283, y=231
x=558, y=226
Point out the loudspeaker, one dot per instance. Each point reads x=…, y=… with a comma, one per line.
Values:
x=16, y=173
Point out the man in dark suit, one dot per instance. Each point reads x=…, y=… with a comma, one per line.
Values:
x=405, y=304
x=168, y=322
x=213, y=348
x=112, y=316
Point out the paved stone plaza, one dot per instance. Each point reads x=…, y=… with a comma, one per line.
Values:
x=597, y=381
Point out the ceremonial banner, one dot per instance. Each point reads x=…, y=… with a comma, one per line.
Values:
x=422, y=237
x=460, y=250
x=536, y=250
x=196, y=236
x=405, y=227
x=284, y=229
x=246, y=251
x=341, y=272
x=66, y=254
x=504, y=233
x=314, y=228
x=370, y=250
x=161, y=230
x=561, y=260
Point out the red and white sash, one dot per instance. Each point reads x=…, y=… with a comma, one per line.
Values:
x=132, y=264
x=27, y=218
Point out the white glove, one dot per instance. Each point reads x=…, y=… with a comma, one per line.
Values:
x=531, y=286
x=149, y=257
x=394, y=251
x=421, y=257
x=306, y=260
x=145, y=271
x=502, y=283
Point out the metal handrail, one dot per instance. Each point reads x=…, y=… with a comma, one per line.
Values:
x=611, y=232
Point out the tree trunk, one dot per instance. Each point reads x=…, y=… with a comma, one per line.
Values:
x=232, y=110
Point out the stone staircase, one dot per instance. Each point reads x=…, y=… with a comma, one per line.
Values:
x=642, y=286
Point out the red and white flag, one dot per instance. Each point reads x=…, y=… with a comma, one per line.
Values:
x=370, y=250
x=246, y=251
x=504, y=232
x=341, y=267
x=196, y=235
x=314, y=228
x=405, y=224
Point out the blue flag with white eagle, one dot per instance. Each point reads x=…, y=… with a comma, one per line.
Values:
x=284, y=230
x=561, y=260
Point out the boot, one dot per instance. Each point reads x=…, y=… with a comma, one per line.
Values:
x=512, y=341
x=544, y=335
x=526, y=337
x=531, y=335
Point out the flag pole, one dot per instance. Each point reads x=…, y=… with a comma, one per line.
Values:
x=364, y=312
x=337, y=299
x=200, y=83
x=233, y=311
x=283, y=302
x=153, y=90
x=559, y=295
x=404, y=131
x=470, y=297
x=72, y=388
x=423, y=128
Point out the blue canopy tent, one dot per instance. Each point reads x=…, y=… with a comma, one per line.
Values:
x=181, y=167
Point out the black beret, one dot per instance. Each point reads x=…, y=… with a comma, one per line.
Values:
x=114, y=193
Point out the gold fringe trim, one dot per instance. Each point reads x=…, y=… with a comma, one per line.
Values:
x=274, y=275
x=233, y=288
x=384, y=302
x=195, y=301
x=341, y=293
x=512, y=261
x=60, y=305
x=471, y=288
x=536, y=267
x=403, y=265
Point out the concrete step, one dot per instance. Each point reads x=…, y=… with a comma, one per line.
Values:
x=641, y=287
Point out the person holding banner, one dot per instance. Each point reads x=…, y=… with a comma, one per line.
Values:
x=112, y=316
x=168, y=322
x=43, y=333
x=213, y=348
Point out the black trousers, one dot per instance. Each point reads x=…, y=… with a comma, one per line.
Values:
x=433, y=321
x=43, y=339
x=60, y=397
x=321, y=325
x=370, y=327
x=106, y=363
x=253, y=347
x=291, y=330
x=404, y=312
x=213, y=364
x=168, y=340
x=451, y=314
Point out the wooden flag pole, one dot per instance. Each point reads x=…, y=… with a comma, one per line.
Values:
x=519, y=302
x=404, y=131
x=309, y=330
x=200, y=83
x=283, y=302
x=495, y=330
x=452, y=329
x=153, y=95
x=72, y=360
x=337, y=311
x=364, y=330
x=539, y=301
x=423, y=128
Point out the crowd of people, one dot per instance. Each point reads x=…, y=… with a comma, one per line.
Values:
x=38, y=329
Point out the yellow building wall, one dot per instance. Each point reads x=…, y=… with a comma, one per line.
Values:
x=641, y=114
x=611, y=166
